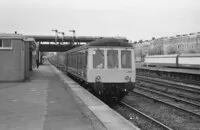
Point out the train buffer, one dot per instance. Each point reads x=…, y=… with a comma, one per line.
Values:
x=47, y=102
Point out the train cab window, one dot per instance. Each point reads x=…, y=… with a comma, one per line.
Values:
x=98, y=59
x=126, y=59
x=112, y=59
x=5, y=43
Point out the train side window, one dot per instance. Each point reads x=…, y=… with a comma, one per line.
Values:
x=98, y=59
x=69, y=60
x=126, y=59
x=5, y=44
x=1, y=44
x=80, y=58
x=79, y=61
x=112, y=58
x=85, y=60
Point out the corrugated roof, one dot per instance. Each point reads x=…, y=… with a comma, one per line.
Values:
x=11, y=36
x=29, y=39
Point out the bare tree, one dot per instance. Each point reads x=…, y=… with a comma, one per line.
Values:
x=171, y=50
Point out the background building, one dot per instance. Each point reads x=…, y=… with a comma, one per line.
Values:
x=187, y=43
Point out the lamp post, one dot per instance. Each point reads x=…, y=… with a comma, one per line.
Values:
x=74, y=35
x=63, y=34
x=56, y=37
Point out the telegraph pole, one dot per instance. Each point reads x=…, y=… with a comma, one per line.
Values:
x=74, y=35
x=63, y=34
x=56, y=36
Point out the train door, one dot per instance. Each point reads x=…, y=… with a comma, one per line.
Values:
x=85, y=64
x=177, y=57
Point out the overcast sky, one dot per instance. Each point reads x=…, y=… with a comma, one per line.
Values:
x=134, y=19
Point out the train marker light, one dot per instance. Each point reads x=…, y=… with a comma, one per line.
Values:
x=127, y=78
x=98, y=79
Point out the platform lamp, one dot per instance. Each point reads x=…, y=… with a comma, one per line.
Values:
x=56, y=37
x=74, y=35
x=63, y=34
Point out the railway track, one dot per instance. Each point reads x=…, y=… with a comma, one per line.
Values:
x=152, y=120
x=166, y=113
x=186, y=108
x=193, y=82
x=179, y=89
x=183, y=105
x=190, y=106
x=57, y=64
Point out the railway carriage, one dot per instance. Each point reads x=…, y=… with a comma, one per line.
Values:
x=174, y=60
x=161, y=60
x=105, y=66
x=189, y=60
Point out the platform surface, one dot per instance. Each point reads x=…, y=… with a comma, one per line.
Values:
x=43, y=103
x=46, y=102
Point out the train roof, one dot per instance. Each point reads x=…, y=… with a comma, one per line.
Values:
x=110, y=42
x=104, y=42
x=190, y=55
x=161, y=56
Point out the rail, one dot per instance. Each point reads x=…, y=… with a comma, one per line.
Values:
x=146, y=116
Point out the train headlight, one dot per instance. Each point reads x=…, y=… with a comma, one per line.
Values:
x=127, y=78
x=98, y=79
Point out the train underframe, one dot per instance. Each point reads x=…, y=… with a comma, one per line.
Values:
x=111, y=91
x=107, y=92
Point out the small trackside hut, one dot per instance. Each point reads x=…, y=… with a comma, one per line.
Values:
x=106, y=66
x=15, y=63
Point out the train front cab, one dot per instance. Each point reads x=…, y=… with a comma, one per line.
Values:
x=112, y=70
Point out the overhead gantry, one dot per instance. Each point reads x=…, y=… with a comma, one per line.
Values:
x=58, y=43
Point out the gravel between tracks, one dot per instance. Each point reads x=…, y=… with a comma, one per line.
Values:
x=171, y=117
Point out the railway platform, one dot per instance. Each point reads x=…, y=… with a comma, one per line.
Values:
x=165, y=69
x=52, y=101
x=184, y=75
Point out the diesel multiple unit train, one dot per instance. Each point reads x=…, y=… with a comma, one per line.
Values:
x=174, y=60
x=105, y=66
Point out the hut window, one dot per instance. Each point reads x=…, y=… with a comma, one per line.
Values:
x=5, y=43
